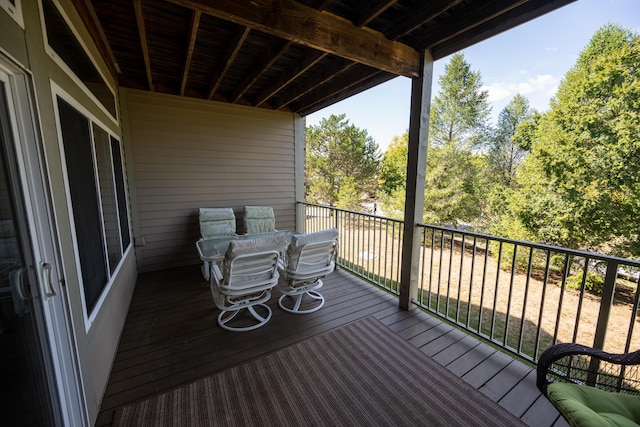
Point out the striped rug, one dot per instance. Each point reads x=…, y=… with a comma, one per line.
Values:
x=361, y=374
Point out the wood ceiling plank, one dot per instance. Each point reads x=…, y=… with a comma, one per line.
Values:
x=142, y=33
x=368, y=11
x=234, y=47
x=425, y=13
x=270, y=58
x=319, y=30
x=193, y=33
x=309, y=61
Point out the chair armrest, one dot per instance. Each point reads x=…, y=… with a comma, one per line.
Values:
x=216, y=274
x=580, y=364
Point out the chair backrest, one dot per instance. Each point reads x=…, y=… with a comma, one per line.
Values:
x=259, y=219
x=312, y=253
x=252, y=263
x=217, y=222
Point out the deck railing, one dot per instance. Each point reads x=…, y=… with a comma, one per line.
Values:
x=519, y=295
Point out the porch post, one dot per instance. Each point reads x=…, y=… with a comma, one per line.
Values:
x=416, y=170
x=299, y=130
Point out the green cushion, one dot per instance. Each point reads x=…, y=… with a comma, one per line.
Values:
x=589, y=406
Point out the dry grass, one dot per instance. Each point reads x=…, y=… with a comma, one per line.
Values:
x=483, y=297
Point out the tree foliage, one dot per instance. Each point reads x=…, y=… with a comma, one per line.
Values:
x=505, y=153
x=457, y=125
x=393, y=167
x=581, y=183
x=340, y=155
x=460, y=110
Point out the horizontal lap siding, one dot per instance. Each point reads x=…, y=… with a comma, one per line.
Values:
x=192, y=153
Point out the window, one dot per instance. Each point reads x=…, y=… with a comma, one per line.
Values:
x=98, y=199
x=14, y=9
x=63, y=41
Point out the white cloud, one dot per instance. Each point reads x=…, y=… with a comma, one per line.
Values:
x=541, y=84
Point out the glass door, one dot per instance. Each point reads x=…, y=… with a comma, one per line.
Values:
x=25, y=394
x=40, y=379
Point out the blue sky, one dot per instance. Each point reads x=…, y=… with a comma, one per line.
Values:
x=530, y=59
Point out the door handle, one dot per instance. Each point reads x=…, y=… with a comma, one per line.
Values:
x=49, y=289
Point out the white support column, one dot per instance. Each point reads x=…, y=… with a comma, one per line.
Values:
x=416, y=171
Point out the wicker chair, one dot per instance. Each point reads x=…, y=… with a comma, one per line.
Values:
x=591, y=387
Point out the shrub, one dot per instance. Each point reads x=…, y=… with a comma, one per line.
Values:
x=594, y=282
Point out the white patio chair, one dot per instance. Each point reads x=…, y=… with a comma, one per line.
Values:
x=259, y=219
x=243, y=284
x=308, y=259
x=215, y=223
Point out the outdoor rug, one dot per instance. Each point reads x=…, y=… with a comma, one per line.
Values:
x=361, y=374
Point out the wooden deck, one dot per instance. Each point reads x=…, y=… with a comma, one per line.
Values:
x=171, y=337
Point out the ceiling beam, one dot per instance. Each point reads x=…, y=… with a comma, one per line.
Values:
x=142, y=33
x=368, y=11
x=193, y=33
x=235, y=43
x=489, y=28
x=88, y=15
x=327, y=74
x=301, y=67
x=270, y=58
x=426, y=12
x=319, y=30
x=461, y=23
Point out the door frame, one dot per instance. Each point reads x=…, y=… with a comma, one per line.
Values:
x=45, y=272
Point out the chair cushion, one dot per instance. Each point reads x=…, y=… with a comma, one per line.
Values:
x=589, y=406
x=259, y=219
x=217, y=222
x=259, y=244
x=258, y=212
x=216, y=214
x=299, y=240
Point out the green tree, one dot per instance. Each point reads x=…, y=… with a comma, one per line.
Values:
x=458, y=124
x=505, y=153
x=460, y=110
x=452, y=185
x=339, y=153
x=581, y=183
x=393, y=167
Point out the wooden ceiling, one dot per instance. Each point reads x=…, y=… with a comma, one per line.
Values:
x=297, y=56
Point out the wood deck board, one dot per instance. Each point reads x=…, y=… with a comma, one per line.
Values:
x=171, y=337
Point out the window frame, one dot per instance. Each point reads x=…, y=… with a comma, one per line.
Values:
x=63, y=65
x=112, y=273
x=14, y=10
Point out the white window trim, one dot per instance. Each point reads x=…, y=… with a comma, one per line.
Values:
x=54, y=56
x=14, y=12
x=57, y=91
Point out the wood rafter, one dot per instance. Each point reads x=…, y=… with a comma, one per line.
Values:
x=88, y=15
x=368, y=11
x=234, y=47
x=193, y=33
x=469, y=21
x=340, y=90
x=142, y=33
x=285, y=78
x=319, y=30
x=426, y=13
x=489, y=27
x=327, y=75
x=270, y=58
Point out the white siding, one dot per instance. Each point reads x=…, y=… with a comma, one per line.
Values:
x=191, y=153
